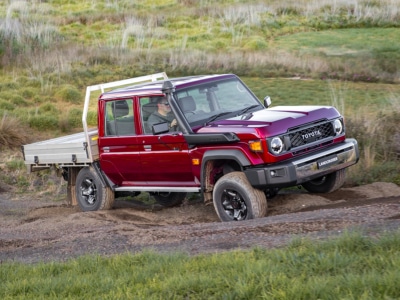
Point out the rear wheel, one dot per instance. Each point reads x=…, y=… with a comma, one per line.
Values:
x=169, y=199
x=326, y=184
x=236, y=200
x=91, y=195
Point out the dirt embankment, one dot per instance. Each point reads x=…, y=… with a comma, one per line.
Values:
x=35, y=229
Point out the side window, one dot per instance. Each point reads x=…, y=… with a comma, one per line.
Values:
x=148, y=106
x=119, y=118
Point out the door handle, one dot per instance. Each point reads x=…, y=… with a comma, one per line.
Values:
x=147, y=147
x=106, y=149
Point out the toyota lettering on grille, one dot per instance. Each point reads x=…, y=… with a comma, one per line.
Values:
x=311, y=135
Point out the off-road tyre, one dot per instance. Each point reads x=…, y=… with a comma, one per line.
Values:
x=326, y=184
x=236, y=200
x=169, y=199
x=91, y=195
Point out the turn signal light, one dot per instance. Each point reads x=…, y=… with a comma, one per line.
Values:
x=195, y=161
x=256, y=146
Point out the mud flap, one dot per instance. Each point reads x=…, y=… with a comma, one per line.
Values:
x=71, y=194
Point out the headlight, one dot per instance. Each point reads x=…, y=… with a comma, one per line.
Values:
x=337, y=127
x=276, y=145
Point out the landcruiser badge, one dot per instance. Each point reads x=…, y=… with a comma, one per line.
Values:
x=327, y=162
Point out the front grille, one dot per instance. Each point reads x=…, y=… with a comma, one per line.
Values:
x=307, y=135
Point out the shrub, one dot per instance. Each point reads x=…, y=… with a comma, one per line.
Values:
x=6, y=95
x=29, y=93
x=44, y=122
x=75, y=117
x=74, y=120
x=5, y=105
x=48, y=108
x=8, y=86
x=69, y=94
x=256, y=44
x=18, y=100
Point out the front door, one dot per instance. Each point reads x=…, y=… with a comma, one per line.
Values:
x=165, y=157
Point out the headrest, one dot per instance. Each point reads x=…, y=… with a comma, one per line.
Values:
x=187, y=104
x=148, y=109
x=120, y=109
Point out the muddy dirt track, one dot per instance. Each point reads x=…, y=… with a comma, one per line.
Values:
x=34, y=229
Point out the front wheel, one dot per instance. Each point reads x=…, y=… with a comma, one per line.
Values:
x=326, y=184
x=236, y=200
x=169, y=199
x=91, y=195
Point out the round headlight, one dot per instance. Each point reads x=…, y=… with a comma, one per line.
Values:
x=337, y=127
x=276, y=145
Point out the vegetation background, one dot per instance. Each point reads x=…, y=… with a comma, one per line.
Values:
x=344, y=53
x=341, y=53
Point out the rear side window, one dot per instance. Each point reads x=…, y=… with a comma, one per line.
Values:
x=119, y=118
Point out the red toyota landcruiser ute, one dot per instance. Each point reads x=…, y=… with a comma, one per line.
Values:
x=226, y=145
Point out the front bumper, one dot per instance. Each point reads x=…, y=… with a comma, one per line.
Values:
x=306, y=168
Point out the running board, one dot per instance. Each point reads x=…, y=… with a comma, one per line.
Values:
x=157, y=189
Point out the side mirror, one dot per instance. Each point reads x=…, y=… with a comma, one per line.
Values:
x=160, y=128
x=267, y=101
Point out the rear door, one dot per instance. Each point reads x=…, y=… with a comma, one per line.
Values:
x=118, y=145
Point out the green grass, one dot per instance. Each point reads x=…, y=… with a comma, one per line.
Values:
x=352, y=95
x=349, y=267
x=350, y=42
x=345, y=53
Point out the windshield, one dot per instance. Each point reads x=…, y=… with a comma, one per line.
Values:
x=205, y=103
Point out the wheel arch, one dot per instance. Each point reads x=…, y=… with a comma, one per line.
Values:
x=223, y=161
x=105, y=181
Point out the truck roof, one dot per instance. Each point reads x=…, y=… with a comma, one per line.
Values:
x=156, y=86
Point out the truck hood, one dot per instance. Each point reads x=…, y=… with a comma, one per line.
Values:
x=274, y=120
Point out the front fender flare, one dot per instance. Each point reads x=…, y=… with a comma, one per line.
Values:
x=234, y=154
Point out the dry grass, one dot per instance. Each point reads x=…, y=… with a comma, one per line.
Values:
x=12, y=133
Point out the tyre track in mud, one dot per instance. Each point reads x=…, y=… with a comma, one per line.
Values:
x=35, y=230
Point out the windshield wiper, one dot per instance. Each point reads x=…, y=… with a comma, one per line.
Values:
x=213, y=118
x=247, y=109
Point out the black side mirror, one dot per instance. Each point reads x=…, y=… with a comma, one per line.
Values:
x=160, y=128
x=267, y=101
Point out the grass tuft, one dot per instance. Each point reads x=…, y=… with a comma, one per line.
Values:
x=12, y=133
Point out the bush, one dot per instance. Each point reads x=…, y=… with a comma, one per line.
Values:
x=6, y=95
x=74, y=120
x=5, y=105
x=8, y=86
x=29, y=93
x=44, y=122
x=256, y=44
x=19, y=100
x=69, y=94
x=75, y=117
x=48, y=108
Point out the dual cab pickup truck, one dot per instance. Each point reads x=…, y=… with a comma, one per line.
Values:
x=226, y=145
